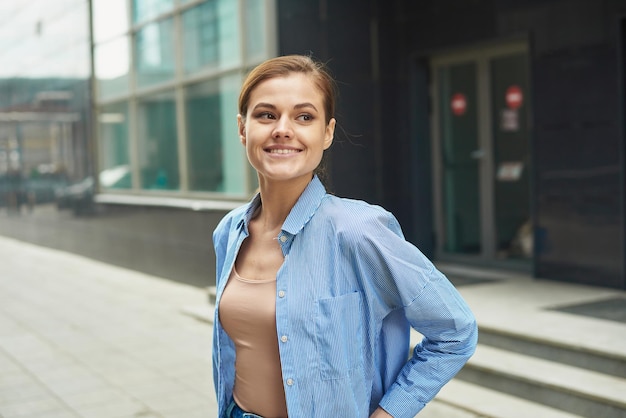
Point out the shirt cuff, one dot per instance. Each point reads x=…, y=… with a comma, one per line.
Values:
x=399, y=403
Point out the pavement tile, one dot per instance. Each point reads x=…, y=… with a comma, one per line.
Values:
x=61, y=413
x=23, y=393
x=7, y=364
x=16, y=379
x=65, y=387
x=96, y=397
x=37, y=407
x=195, y=413
x=147, y=390
x=129, y=377
x=47, y=364
x=53, y=414
x=9, y=326
x=26, y=346
x=179, y=401
x=117, y=409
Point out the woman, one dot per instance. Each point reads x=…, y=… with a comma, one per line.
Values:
x=316, y=294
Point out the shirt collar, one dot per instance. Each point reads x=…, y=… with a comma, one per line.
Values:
x=300, y=214
x=305, y=207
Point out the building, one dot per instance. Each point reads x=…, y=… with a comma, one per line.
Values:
x=493, y=130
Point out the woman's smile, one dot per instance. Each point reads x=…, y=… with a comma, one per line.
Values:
x=282, y=151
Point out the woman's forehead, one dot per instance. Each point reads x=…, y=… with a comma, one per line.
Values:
x=294, y=86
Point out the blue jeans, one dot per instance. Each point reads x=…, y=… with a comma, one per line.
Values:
x=234, y=411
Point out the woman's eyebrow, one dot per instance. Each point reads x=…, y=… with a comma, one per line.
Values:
x=305, y=105
x=266, y=105
x=297, y=107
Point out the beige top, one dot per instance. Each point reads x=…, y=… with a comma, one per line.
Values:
x=248, y=315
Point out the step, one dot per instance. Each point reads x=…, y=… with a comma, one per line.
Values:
x=560, y=386
x=483, y=402
x=603, y=362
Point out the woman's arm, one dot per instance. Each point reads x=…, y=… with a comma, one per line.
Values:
x=380, y=413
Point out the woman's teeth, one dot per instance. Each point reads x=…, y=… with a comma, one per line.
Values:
x=283, y=151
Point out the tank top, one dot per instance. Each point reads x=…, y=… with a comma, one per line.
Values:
x=248, y=315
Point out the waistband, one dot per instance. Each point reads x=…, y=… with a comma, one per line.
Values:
x=234, y=411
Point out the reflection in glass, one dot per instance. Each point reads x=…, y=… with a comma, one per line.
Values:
x=111, y=65
x=157, y=137
x=113, y=146
x=110, y=19
x=204, y=125
x=215, y=156
x=211, y=35
x=155, y=53
x=146, y=9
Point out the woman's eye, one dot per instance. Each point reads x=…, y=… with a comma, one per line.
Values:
x=305, y=117
x=265, y=115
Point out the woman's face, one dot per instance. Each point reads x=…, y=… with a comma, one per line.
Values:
x=284, y=130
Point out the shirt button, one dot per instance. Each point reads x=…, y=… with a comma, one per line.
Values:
x=283, y=338
x=289, y=382
x=283, y=238
x=281, y=294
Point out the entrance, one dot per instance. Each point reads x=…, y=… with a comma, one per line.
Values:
x=482, y=155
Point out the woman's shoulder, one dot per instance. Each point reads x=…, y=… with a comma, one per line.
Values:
x=353, y=214
x=346, y=206
x=231, y=218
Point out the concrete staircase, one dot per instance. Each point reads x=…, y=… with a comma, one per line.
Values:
x=514, y=375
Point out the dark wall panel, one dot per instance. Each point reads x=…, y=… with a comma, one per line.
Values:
x=339, y=34
x=577, y=166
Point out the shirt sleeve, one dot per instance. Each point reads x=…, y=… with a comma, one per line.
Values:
x=403, y=278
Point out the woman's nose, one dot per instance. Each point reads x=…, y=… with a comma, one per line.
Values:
x=283, y=129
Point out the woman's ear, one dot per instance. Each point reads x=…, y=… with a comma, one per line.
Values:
x=330, y=133
x=241, y=128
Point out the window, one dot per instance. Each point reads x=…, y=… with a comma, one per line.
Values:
x=211, y=38
x=155, y=53
x=158, y=145
x=146, y=9
x=115, y=170
x=256, y=39
x=112, y=67
x=215, y=160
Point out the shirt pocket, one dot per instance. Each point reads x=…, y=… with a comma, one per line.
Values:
x=339, y=335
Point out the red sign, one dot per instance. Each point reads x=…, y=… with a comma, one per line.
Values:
x=514, y=97
x=458, y=104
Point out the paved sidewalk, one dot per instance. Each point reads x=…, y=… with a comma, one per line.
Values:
x=80, y=338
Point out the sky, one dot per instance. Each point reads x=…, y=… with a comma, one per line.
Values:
x=44, y=38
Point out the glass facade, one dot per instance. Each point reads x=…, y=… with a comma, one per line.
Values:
x=167, y=79
x=44, y=99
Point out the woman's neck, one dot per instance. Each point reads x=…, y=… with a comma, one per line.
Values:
x=278, y=198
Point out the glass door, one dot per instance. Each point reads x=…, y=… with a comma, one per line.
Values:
x=481, y=154
x=511, y=156
x=459, y=158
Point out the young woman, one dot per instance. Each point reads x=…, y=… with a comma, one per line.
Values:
x=316, y=294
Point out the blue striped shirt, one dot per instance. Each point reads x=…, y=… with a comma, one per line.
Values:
x=347, y=292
